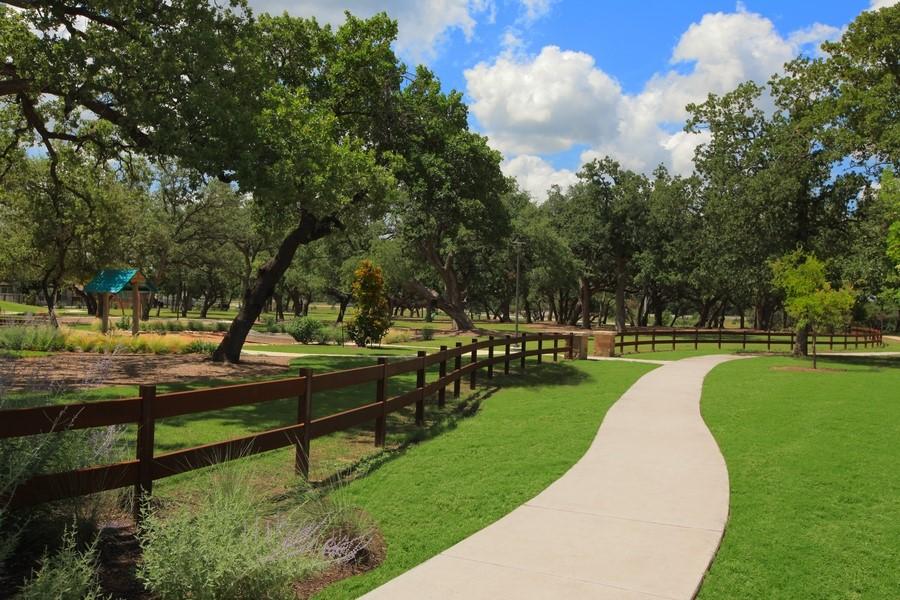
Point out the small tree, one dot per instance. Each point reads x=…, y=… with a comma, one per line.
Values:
x=373, y=313
x=809, y=298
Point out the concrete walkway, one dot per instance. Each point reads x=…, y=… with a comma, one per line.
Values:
x=639, y=517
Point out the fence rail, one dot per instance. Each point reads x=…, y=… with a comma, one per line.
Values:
x=671, y=338
x=149, y=407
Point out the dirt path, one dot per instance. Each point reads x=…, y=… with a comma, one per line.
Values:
x=80, y=370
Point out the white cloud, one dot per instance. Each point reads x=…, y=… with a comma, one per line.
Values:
x=544, y=103
x=423, y=24
x=877, y=4
x=535, y=175
x=557, y=99
x=535, y=9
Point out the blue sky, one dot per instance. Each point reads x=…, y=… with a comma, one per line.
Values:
x=554, y=83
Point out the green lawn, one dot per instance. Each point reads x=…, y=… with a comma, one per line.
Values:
x=813, y=464
x=14, y=307
x=524, y=437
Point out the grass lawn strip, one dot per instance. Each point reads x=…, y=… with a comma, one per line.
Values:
x=812, y=458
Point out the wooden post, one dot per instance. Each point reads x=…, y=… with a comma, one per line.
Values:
x=506, y=356
x=104, y=316
x=491, y=357
x=636, y=347
x=474, y=359
x=457, y=365
x=570, y=355
x=696, y=337
x=720, y=338
x=555, y=347
x=744, y=340
x=673, y=338
x=831, y=341
x=522, y=351
x=540, y=355
x=653, y=340
x=420, y=383
x=381, y=396
x=791, y=340
x=135, y=308
x=768, y=339
x=304, y=415
x=845, y=340
x=442, y=372
x=145, y=442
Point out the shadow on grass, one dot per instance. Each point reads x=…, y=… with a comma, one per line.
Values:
x=875, y=363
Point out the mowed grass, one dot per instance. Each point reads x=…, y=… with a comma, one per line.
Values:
x=813, y=464
x=524, y=437
x=15, y=307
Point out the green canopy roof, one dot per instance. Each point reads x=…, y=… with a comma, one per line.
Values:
x=112, y=281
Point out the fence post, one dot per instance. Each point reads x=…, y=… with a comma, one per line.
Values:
x=473, y=360
x=744, y=340
x=696, y=337
x=653, y=340
x=522, y=350
x=540, y=355
x=491, y=357
x=845, y=340
x=768, y=339
x=381, y=396
x=720, y=338
x=420, y=383
x=442, y=372
x=570, y=355
x=831, y=341
x=555, y=347
x=145, y=442
x=304, y=415
x=673, y=338
x=506, y=356
x=457, y=365
x=791, y=340
x=636, y=347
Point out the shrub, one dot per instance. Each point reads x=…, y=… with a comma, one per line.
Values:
x=124, y=323
x=32, y=337
x=222, y=325
x=229, y=547
x=306, y=330
x=194, y=325
x=398, y=336
x=428, y=333
x=66, y=575
x=199, y=347
x=271, y=325
x=373, y=314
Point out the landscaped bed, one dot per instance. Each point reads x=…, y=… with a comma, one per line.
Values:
x=813, y=462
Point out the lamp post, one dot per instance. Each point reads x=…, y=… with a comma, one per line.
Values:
x=518, y=244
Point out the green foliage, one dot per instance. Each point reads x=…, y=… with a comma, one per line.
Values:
x=372, y=318
x=199, y=347
x=69, y=574
x=229, y=546
x=28, y=337
x=306, y=330
x=889, y=194
x=809, y=298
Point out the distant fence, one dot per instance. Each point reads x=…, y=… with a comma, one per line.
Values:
x=146, y=409
x=654, y=338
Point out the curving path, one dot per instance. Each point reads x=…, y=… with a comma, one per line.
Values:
x=640, y=516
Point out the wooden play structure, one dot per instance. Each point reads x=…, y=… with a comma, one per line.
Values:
x=109, y=283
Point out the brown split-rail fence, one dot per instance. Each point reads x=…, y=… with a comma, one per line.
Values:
x=149, y=406
x=657, y=338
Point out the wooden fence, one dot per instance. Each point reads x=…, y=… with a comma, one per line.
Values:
x=149, y=407
x=672, y=338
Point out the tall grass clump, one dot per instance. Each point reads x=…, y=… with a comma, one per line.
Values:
x=32, y=337
x=233, y=545
x=26, y=532
x=68, y=574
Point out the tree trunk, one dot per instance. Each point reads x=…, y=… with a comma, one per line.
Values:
x=342, y=309
x=585, y=303
x=620, y=294
x=90, y=303
x=801, y=342
x=269, y=274
x=453, y=307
